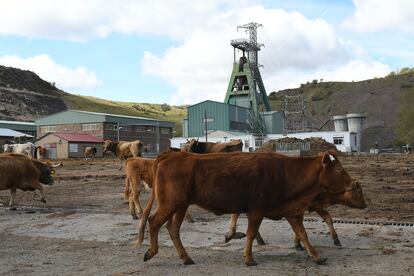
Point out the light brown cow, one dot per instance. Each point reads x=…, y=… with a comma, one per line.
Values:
x=122, y=149
x=258, y=184
x=89, y=152
x=18, y=171
x=139, y=173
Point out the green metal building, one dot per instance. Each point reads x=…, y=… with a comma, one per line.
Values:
x=215, y=116
x=25, y=127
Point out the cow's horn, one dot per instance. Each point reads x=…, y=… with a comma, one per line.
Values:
x=57, y=165
x=331, y=157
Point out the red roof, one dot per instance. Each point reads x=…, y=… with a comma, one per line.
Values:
x=75, y=137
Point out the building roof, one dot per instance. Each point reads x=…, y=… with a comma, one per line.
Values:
x=75, y=137
x=17, y=123
x=79, y=116
x=5, y=132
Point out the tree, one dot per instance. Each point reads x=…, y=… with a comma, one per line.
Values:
x=165, y=107
x=405, y=125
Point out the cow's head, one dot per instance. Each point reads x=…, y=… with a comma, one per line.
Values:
x=108, y=147
x=339, y=184
x=7, y=148
x=194, y=146
x=46, y=170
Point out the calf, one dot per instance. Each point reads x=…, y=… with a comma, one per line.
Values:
x=17, y=171
x=258, y=184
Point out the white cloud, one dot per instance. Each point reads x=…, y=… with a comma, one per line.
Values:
x=48, y=69
x=377, y=15
x=80, y=20
x=296, y=50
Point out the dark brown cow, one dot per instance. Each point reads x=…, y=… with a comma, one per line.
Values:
x=258, y=184
x=122, y=149
x=40, y=152
x=18, y=171
x=318, y=205
x=209, y=147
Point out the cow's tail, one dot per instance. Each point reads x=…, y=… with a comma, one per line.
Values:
x=144, y=219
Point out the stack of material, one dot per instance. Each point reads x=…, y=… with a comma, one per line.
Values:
x=315, y=145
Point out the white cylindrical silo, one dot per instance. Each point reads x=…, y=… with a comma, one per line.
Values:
x=340, y=123
x=355, y=123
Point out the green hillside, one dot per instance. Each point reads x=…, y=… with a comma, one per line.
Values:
x=387, y=103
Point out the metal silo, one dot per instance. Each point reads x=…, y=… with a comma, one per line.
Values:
x=355, y=122
x=340, y=123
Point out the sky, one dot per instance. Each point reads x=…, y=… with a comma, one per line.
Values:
x=178, y=51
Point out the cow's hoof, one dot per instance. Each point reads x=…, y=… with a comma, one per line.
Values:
x=299, y=247
x=321, y=261
x=134, y=216
x=43, y=200
x=12, y=208
x=337, y=242
x=189, y=262
x=147, y=256
x=228, y=238
x=251, y=263
x=239, y=235
x=260, y=241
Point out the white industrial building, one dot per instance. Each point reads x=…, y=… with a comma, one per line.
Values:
x=346, y=137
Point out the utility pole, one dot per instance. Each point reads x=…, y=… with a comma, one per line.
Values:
x=157, y=138
x=205, y=121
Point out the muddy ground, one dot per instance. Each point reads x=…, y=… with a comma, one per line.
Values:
x=84, y=229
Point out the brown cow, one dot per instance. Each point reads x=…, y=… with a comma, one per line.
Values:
x=209, y=147
x=18, y=171
x=122, y=149
x=318, y=205
x=258, y=184
x=89, y=152
x=139, y=171
x=40, y=152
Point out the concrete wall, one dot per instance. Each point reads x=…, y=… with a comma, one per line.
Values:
x=80, y=153
x=127, y=133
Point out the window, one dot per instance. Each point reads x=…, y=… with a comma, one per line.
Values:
x=208, y=120
x=338, y=140
x=239, y=125
x=110, y=126
x=258, y=143
x=165, y=130
x=47, y=129
x=140, y=129
x=89, y=127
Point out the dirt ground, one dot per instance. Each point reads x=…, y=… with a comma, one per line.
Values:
x=84, y=229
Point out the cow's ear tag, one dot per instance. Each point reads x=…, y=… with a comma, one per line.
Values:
x=332, y=158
